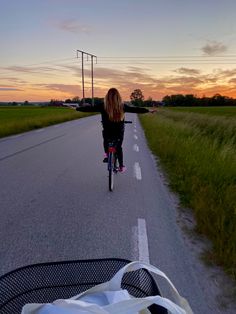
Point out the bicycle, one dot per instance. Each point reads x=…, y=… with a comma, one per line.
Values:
x=112, y=166
x=46, y=282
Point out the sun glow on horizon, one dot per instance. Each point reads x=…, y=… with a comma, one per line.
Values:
x=22, y=85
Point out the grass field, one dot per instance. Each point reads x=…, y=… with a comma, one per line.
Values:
x=197, y=149
x=15, y=120
x=213, y=111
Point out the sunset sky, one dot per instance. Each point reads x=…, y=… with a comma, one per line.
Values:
x=163, y=47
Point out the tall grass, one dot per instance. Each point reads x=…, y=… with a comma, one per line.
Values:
x=198, y=153
x=15, y=120
x=216, y=111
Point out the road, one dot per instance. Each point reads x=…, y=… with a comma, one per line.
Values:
x=55, y=205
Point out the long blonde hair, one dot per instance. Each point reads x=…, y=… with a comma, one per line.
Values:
x=114, y=106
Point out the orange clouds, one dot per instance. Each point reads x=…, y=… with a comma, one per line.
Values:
x=65, y=82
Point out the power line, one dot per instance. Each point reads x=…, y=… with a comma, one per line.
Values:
x=130, y=60
x=49, y=61
x=131, y=57
x=154, y=57
x=174, y=63
x=109, y=60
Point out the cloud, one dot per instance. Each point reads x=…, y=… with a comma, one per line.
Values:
x=13, y=80
x=213, y=48
x=191, y=81
x=28, y=69
x=225, y=73
x=187, y=71
x=135, y=69
x=136, y=76
x=10, y=89
x=73, y=26
x=184, y=80
x=65, y=88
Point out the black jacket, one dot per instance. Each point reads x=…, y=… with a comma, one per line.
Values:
x=111, y=127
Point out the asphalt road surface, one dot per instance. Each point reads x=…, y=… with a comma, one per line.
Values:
x=55, y=205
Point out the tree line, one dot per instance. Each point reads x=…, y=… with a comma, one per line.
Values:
x=178, y=100
x=191, y=101
x=137, y=99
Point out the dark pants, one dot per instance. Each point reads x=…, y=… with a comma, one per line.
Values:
x=119, y=139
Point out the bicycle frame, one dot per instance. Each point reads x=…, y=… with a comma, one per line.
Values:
x=112, y=160
x=112, y=163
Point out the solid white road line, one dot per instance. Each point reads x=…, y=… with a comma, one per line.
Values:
x=137, y=171
x=135, y=137
x=136, y=148
x=143, y=241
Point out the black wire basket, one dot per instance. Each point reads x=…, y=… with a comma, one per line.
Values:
x=46, y=282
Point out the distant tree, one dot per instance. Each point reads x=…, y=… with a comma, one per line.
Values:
x=191, y=100
x=148, y=102
x=56, y=103
x=98, y=101
x=88, y=100
x=218, y=100
x=137, y=97
x=166, y=100
x=76, y=99
x=26, y=103
x=68, y=101
x=174, y=100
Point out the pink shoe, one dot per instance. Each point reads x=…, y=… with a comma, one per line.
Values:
x=122, y=169
x=105, y=158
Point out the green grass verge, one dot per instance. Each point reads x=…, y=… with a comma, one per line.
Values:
x=213, y=111
x=15, y=120
x=198, y=153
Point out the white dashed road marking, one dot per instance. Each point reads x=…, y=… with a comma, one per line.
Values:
x=136, y=148
x=143, y=241
x=135, y=137
x=137, y=171
x=140, y=250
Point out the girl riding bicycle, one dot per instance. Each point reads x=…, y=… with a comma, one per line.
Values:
x=113, y=114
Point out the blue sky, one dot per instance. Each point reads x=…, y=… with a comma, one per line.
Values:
x=46, y=32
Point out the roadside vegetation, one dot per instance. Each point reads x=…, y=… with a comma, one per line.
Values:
x=213, y=111
x=197, y=149
x=14, y=120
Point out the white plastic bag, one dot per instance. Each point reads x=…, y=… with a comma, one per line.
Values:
x=110, y=298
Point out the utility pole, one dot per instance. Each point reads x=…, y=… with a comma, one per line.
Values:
x=82, y=58
x=92, y=80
